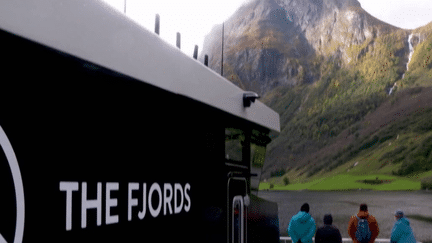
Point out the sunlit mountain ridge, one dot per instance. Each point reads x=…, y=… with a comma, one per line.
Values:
x=324, y=66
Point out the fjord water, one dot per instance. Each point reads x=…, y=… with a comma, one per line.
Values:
x=343, y=204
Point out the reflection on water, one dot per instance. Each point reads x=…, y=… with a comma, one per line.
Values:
x=342, y=205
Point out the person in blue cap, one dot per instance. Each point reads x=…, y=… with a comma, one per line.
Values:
x=402, y=232
x=302, y=226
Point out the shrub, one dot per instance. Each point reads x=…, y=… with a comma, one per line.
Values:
x=373, y=182
x=420, y=164
x=278, y=173
x=370, y=143
x=394, y=153
x=398, y=159
x=394, y=99
x=338, y=163
x=415, y=90
x=425, y=148
x=355, y=128
x=382, y=140
x=286, y=181
x=424, y=125
x=426, y=183
x=314, y=171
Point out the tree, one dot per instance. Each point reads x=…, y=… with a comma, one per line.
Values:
x=286, y=181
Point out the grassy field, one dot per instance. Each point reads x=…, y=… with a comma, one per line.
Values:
x=351, y=182
x=367, y=165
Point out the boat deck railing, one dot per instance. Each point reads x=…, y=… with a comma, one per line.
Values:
x=285, y=239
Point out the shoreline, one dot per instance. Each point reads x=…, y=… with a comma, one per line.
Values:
x=344, y=190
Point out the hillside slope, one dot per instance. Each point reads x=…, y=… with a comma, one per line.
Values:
x=325, y=68
x=312, y=116
x=390, y=150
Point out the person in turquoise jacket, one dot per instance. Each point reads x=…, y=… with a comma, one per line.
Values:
x=302, y=226
x=402, y=232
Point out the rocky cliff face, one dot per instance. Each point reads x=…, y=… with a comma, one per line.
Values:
x=270, y=43
x=323, y=65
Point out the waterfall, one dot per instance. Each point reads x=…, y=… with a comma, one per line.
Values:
x=391, y=89
x=411, y=51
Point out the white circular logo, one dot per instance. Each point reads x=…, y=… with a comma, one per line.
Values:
x=19, y=190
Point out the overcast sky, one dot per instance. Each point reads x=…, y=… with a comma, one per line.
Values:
x=195, y=18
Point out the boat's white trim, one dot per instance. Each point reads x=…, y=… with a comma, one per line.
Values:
x=96, y=32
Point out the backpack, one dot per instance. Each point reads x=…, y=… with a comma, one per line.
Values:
x=363, y=233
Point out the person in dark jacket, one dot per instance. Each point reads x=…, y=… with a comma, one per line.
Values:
x=328, y=233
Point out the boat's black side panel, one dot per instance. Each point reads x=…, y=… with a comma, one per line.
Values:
x=74, y=126
x=107, y=158
x=263, y=221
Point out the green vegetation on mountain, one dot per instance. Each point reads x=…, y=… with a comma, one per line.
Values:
x=312, y=116
x=328, y=73
x=402, y=149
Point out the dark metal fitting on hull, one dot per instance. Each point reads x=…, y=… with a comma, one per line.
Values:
x=178, y=40
x=195, y=54
x=157, y=24
x=206, y=60
x=248, y=98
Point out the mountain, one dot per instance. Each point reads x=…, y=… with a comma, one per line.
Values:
x=270, y=43
x=323, y=65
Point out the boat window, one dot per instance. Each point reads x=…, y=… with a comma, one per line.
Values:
x=257, y=162
x=234, y=139
x=259, y=141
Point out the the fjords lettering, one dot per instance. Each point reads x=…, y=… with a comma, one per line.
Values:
x=167, y=194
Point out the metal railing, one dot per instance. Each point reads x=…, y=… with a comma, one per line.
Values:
x=286, y=239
